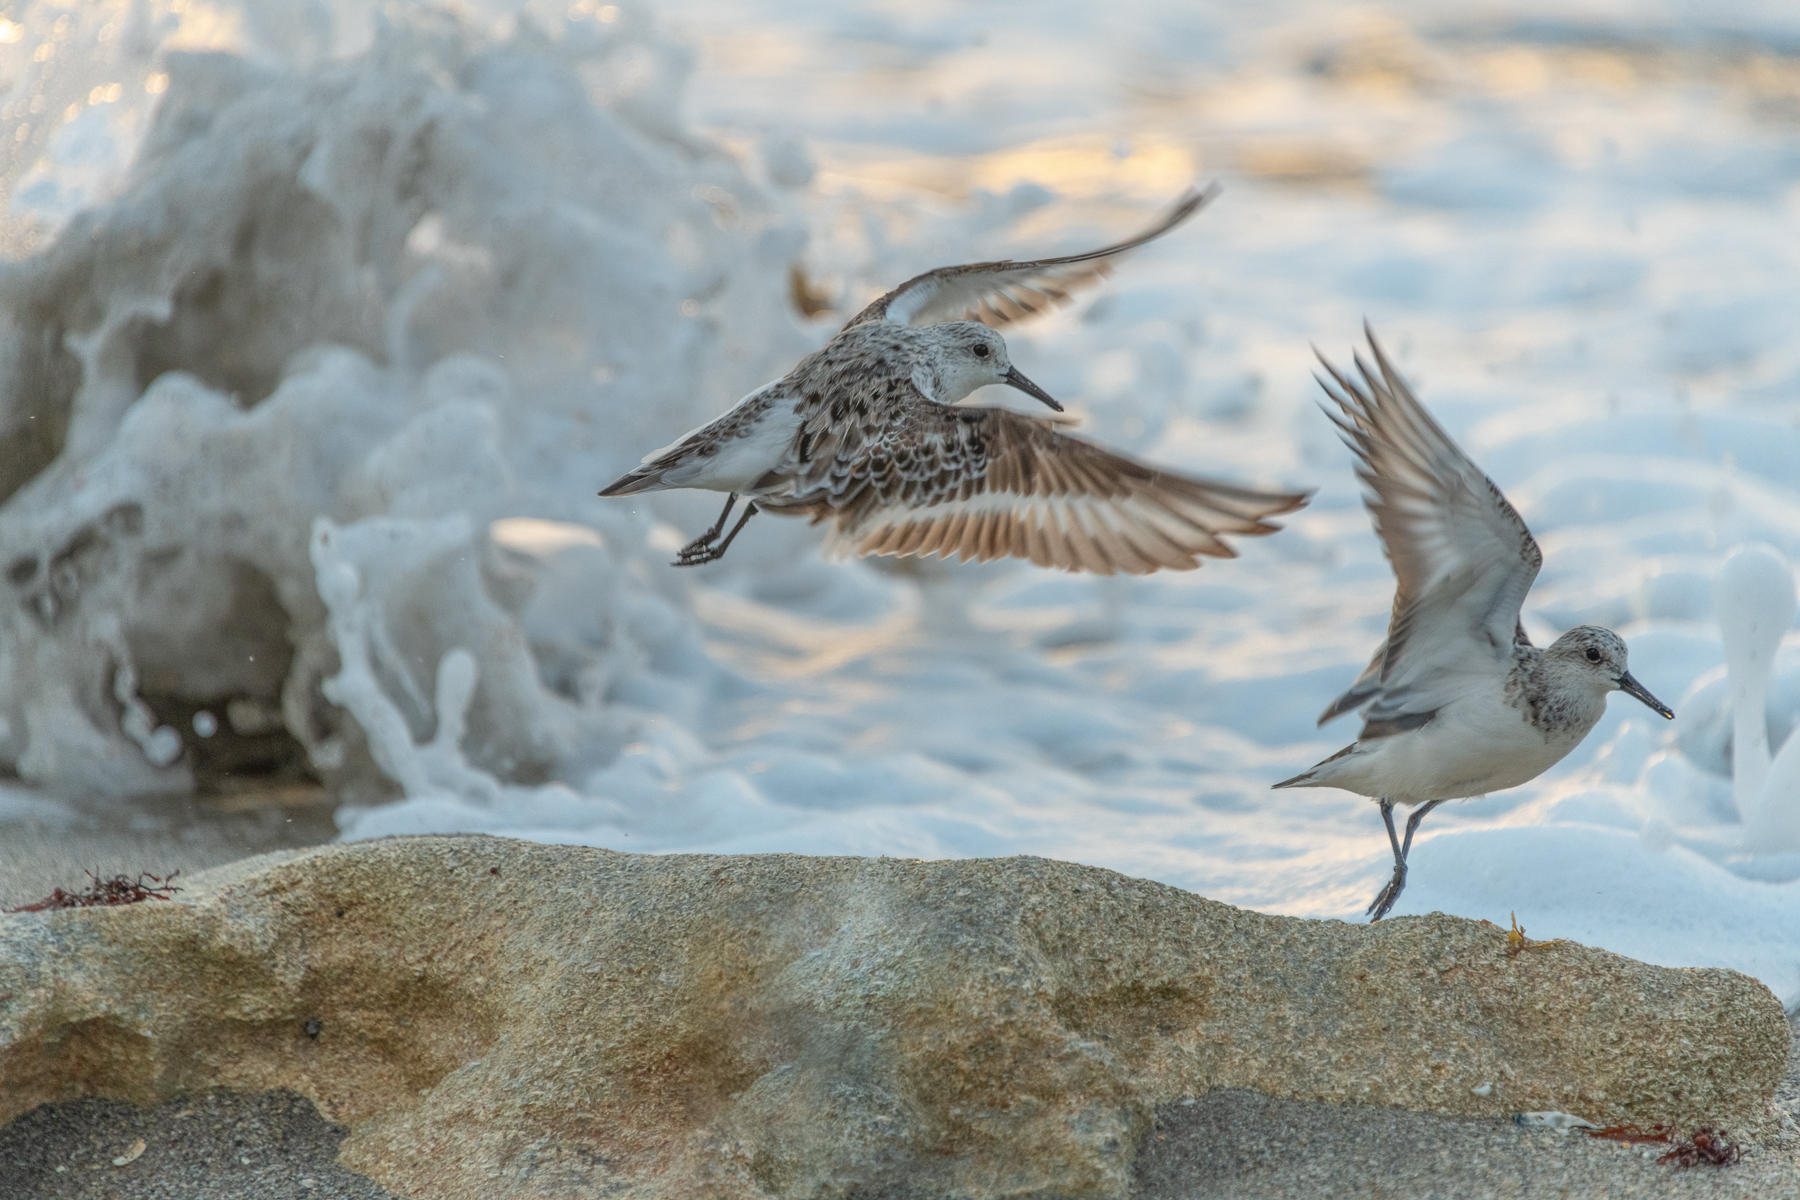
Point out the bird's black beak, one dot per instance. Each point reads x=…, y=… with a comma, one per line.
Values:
x=1012, y=378
x=1632, y=687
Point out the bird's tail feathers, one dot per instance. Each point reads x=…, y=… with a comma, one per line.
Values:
x=1311, y=776
x=642, y=479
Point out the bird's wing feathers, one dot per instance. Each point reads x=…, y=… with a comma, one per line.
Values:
x=998, y=293
x=1462, y=557
x=985, y=483
x=1362, y=691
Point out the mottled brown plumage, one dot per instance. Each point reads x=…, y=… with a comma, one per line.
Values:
x=863, y=435
x=985, y=483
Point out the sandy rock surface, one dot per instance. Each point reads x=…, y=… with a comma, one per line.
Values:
x=500, y=1018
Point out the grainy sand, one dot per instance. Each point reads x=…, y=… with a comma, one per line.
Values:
x=1247, y=1146
x=220, y=1146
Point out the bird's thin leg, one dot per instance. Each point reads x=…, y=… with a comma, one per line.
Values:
x=1378, y=908
x=749, y=511
x=1384, y=900
x=698, y=546
x=718, y=526
x=1412, y=823
x=696, y=553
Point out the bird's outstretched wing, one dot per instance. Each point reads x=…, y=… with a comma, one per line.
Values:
x=1462, y=557
x=998, y=293
x=987, y=483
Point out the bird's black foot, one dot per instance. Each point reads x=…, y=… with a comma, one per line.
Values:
x=700, y=550
x=1378, y=907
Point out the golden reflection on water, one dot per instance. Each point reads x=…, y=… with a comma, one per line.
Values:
x=1076, y=165
x=1324, y=106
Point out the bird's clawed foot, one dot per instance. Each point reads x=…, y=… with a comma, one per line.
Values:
x=700, y=550
x=1378, y=907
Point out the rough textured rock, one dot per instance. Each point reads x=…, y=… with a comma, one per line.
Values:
x=496, y=1019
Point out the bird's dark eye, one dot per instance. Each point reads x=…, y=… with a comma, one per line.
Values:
x=1593, y=655
x=981, y=350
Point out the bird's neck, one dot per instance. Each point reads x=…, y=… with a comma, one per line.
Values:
x=1559, y=707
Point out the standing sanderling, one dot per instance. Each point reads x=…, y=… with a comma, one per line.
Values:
x=1457, y=701
x=864, y=434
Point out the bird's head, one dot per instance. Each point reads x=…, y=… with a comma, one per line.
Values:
x=1596, y=657
x=967, y=355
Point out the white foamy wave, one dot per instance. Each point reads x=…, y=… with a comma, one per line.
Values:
x=432, y=281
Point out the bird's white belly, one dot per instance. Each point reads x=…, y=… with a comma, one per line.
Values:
x=1476, y=745
x=742, y=456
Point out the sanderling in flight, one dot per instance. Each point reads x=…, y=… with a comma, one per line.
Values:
x=864, y=434
x=1457, y=702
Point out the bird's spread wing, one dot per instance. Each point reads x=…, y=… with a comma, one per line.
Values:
x=1362, y=691
x=997, y=293
x=1462, y=557
x=986, y=483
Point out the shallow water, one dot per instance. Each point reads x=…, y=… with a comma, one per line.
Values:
x=1571, y=225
